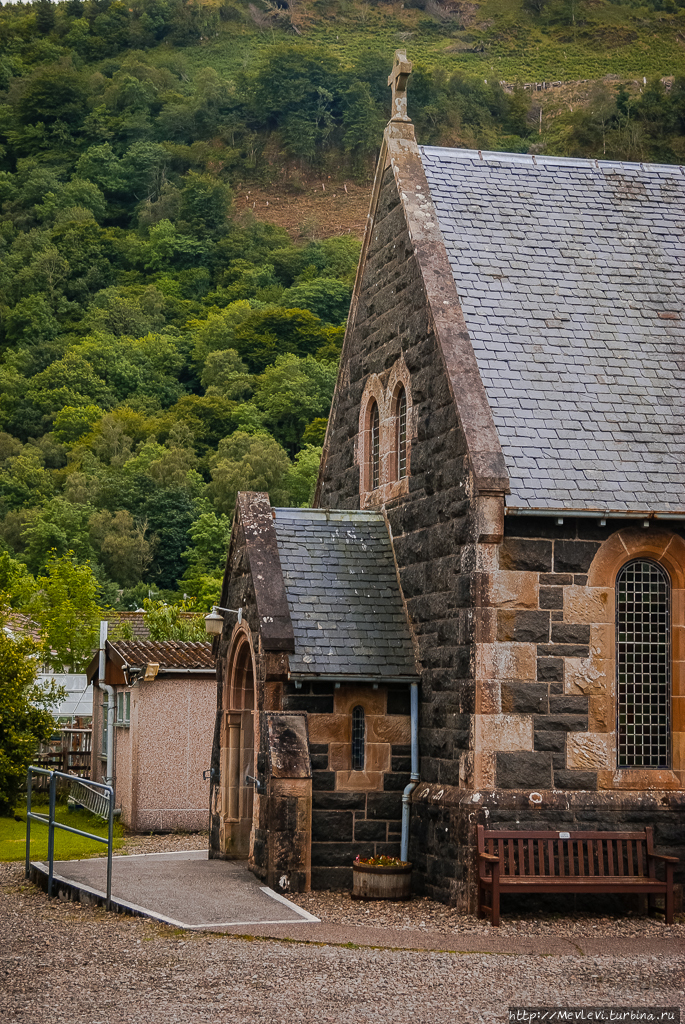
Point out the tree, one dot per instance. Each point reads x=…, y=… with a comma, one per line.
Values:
x=54, y=528
x=326, y=297
x=53, y=94
x=123, y=547
x=291, y=393
x=226, y=373
x=209, y=536
x=267, y=333
x=45, y=16
x=72, y=422
x=169, y=512
x=68, y=381
x=67, y=609
x=362, y=120
x=248, y=462
x=25, y=706
x=205, y=201
x=303, y=475
x=171, y=622
x=17, y=585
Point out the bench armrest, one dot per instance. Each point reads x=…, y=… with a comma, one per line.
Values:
x=662, y=856
x=491, y=857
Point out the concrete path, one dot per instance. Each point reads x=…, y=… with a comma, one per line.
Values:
x=184, y=889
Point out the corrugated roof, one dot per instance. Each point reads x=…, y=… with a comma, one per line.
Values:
x=571, y=277
x=166, y=653
x=343, y=595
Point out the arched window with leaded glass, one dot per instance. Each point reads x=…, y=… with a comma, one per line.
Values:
x=643, y=665
x=401, y=428
x=375, y=447
x=358, y=738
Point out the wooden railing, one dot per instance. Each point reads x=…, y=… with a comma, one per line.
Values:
x=69, y=751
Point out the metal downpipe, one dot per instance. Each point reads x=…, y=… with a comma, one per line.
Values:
x=409, y=789
x=109, y=690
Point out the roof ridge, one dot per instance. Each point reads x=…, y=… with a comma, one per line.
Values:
x=535, y=160
x=364, y=515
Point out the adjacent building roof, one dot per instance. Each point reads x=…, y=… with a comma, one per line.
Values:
x=343, y=595
x=571, y=277
x=136, y=620
x=168, y=654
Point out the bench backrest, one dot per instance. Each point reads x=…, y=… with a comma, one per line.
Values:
x=569, y=854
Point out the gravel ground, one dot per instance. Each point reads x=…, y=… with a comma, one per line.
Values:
x=340, y=908
x=172, y=843
x=61, y=962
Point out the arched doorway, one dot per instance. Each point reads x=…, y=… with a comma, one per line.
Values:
x=237, y=752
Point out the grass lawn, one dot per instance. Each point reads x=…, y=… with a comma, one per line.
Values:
x=67, y=846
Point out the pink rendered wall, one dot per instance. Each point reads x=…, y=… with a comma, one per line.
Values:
x=175, y=729
x=122, y=766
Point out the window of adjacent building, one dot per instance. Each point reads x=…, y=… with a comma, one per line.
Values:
x=375, y=452
x=402, y=434
x=123, y=708
x=103, y=736
x=643, y=665
x=358, y=738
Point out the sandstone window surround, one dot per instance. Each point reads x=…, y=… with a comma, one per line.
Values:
x=597, y=676
x=385, y=436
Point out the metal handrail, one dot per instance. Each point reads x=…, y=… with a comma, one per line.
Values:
x=49, y=820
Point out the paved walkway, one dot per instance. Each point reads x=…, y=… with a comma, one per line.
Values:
x=189, y=891
x=184, y=889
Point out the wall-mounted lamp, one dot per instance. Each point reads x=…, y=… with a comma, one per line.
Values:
x=214, y=622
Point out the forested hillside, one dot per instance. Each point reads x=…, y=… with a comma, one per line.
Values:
x=161, y=347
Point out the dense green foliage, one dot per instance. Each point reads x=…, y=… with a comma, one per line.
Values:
x=159, y=352
x=25, y=719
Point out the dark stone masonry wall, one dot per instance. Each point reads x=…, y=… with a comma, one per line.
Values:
x=442, y=839
x=559, y=556
x=431, y=525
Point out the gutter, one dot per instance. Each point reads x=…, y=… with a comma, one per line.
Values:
x=409, y=789
x=334, y=677
x=601, y=514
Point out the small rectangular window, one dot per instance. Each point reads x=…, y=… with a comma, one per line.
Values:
x=358, y=739
x=104, y=707
x=123, y=708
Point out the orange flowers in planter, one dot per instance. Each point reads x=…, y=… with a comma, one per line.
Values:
x=381, y=862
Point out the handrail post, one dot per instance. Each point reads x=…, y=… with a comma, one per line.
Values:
x=51, y=830
x=28, y=823
x=110, y=839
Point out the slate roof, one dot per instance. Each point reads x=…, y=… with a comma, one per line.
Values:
x=571, y=277
x=343, y=596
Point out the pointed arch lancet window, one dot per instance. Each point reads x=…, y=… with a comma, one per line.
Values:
x=643, y=665
x=402, y=434
x=375, y=447
x=358, y=738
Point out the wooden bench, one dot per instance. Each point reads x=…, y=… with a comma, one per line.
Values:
x=519, y=861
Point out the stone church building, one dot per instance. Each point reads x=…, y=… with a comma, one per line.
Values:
x=499, y=528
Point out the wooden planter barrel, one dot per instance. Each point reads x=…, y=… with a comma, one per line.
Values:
x=369, y=883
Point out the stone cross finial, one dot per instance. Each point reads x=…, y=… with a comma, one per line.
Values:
x=398, y=82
